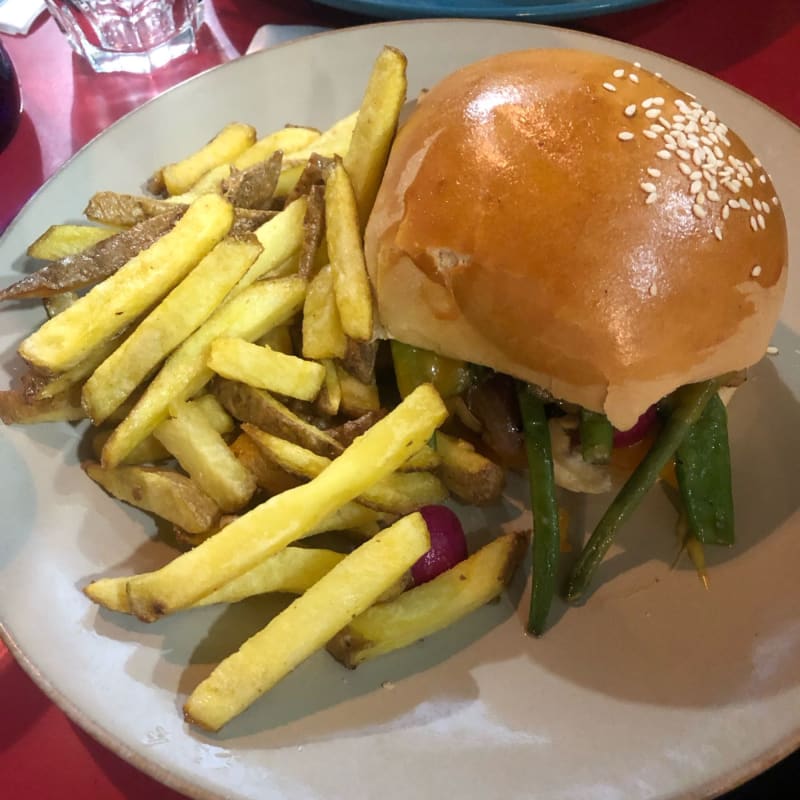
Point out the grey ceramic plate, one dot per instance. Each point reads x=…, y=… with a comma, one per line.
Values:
x=654, y=689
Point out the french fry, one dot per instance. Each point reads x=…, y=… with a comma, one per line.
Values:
x=261, y=409
x=470, y=476
x=15, y=407
x=163, y=492
x=249, y=315
x=375, y=128
x=288, y=516
x=59, y=241
x=219, y=419
x=281, y=239
x=202, y=452
x=264, y=368
x=345, y=249
x=323, y=336
x=288, y=140
x=94, y=263
x=254, y=186
x=425, y=459
x=150, y=450
x=314, y=228
x=67, y=338
x=308, y=623
x=125, y=210
x=359, y=360
x=334, y=141
x=229, y=143
x=180, y=313
x=268, y=475
x=280, y=339
x=426, y=609
x=397, y=493
x=357, y=398
x=56, y=303
x=293, y=570
x=330, y=396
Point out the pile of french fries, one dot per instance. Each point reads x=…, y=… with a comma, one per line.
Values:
x=218, y=333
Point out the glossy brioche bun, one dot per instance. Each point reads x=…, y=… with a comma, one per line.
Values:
x=526, y=222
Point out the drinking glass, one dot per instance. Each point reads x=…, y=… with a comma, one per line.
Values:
x=128, y=35
x=10, y=101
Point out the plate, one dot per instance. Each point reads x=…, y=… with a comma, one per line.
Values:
x=653, y=689
x=544, y=11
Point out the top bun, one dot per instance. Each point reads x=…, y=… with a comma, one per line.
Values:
x=574, y=220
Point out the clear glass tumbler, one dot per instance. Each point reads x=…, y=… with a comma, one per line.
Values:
x=128, y=35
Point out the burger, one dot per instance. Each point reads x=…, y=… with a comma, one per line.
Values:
x=577, y=223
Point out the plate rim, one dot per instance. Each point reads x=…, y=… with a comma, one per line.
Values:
x=712, y=788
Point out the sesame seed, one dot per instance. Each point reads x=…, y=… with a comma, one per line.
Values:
x=651, y=198
x=763, y=179
x=765, y=207
x=637, y=65
x=744, y=204
x=707, y=140
x=657, y=74
x=670, y=139
x=772, y=350
x=756, y=161
x=756, y=271
x=650, y=134
x=696, y=175
x=696, y=187
x=653, y=290
x=749, y=167
x=633, y=77
x=664, y=154
x=753, y=223
x=762, y=223
x=684, y=154
x=684, y=168
x=694, y=97
x=679, y=118
x=624, y=136
x=609, y=87
x=775, y=200
x=698, y=157
x=718, y=151
x=658, y=101
x=748, y=181
x=733, y=203
x=756, y=204
x=647, y=187
x=718, y=232
x=652, y=113
x=653, y=172
x=671, y=146
x=699, y=211
x=630, y=110
x=656, y=128
x=712, y=195
x=700, y=198
x=647, y=102
x=665, y=122
x=618, y=73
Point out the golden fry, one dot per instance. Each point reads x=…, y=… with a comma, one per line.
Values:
x=351, y=587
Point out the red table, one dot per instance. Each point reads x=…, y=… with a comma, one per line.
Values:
x=754, y=46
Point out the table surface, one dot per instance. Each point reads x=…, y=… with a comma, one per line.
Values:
x=753, y=46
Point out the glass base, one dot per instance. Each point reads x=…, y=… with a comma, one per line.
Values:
x=141, y=63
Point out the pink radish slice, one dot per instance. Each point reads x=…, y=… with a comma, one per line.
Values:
x=638, y=431
x=448, y=544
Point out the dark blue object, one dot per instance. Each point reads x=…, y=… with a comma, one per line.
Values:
x=10, y=100
x=534, y=10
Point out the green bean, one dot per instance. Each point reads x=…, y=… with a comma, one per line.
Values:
x=703, y=469
x=687, y=404
x=415, y=365
x=546, y=534
x=597, y=437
